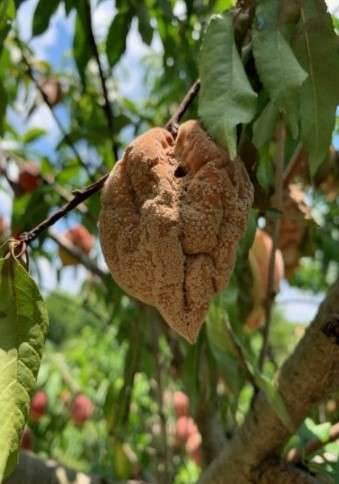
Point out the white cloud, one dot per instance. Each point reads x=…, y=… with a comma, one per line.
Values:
x=298, y=306
x=333, y=5
x=102, y=17
x=5, y=203
x=42, y=118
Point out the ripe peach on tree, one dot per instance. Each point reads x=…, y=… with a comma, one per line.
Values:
x=81, y=409
x=38, y=405
x=29, y=179
x=80, y=238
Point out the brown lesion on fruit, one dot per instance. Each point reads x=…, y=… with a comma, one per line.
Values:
x=172, y=214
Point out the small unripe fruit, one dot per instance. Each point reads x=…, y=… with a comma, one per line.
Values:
x=184, y=428
x=80, y=237
x=259, y=260
x=27, y=439
x=181, y=404
x=38, y=405
x=81, y=409
x=52, y=89
x=29, y=179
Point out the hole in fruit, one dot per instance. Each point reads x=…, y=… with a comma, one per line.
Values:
x=180, y=172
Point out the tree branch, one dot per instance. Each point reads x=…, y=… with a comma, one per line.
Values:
x=308, y=376
x=79, y=197
x=173, y=124
x=107, y=105
x=34, y=470
x=278, y=205
x=77, y=254
x=297, y=455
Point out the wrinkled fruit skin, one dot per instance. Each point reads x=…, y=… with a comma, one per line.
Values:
x=259, y=260
x=180, y=404
x=81, y=409
x=38, y=405
x=80, y=238
x=172, y=215
x=29, y=179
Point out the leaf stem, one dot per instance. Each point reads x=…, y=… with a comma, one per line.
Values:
x=277, y=203
x=103, y=80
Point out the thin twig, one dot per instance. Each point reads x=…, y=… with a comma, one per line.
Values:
x=46, y=179
x=173, y=124
x=79, y=197
x=107, y=105
x=66, y=136
x=291, y=164
x=77, y=254
x=297, y=455
x=277, y=204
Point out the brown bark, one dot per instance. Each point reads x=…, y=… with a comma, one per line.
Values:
x=34, y=470
x=309, y=375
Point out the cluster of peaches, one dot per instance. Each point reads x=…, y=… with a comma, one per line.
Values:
x=187, y=435
x=80, y=409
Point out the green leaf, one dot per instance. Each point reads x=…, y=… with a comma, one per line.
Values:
x=116, y=37
x=33, y=134
x=277, y=66
x=3, y=105
x=23, y=327
x=82, y=52
x=316, y=48
x=7, y=15
x=226, y=96
x=144, y=22
x=264, y=126
x=269, y=387
x=265, y=170
x=42, y=15
x=223, y=348
x=69, y=5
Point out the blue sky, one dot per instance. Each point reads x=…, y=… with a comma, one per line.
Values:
x=54, y=46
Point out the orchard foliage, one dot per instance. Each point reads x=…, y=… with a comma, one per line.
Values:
x=118, y=393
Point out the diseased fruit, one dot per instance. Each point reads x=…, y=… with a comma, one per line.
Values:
x=184, y=427
x=38, y=405
x=180, y=403
x=81, y=409
x=29, y=180
x=259, y=259
x=52, y=89
x=80, y=238
x=172, y=215
x=193, y=447
x=27, y=439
